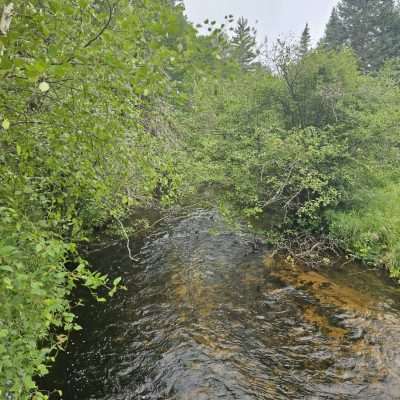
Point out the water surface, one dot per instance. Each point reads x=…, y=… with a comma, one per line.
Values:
x=209, y=314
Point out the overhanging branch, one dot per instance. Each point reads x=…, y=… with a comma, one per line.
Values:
x=103, y=29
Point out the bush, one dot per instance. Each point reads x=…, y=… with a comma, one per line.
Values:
x=34, y=286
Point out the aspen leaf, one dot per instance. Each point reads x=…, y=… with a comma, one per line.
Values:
x=44, y=87
x=117, y=281
x=5, y=124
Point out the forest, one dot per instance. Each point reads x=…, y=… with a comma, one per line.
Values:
x=108, y=107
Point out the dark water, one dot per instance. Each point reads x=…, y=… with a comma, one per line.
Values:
x=209, y=315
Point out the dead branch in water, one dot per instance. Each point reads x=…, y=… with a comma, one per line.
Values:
x=310, y=250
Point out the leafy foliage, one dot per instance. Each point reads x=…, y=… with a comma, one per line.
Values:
x=81, y=83
x=297, y=146
x=107, y=106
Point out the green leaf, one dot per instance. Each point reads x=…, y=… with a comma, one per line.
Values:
x=101, y=299
x=116, y=281
x=35, y=70
x=44, y=87
x=5, y=124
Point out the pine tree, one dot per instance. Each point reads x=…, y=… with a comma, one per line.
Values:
x=244, y=43
x=334, y=32
x=370, y=27
x=305, y=42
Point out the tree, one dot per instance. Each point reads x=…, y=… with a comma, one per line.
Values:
x=369, y=27
x=305, y=42
x=334, y=32
x=315, y=86
x=244, y=43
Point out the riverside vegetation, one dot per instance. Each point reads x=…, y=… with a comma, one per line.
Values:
x=107, y=106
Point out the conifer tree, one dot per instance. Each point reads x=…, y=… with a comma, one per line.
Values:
x=369, y=27
x=244, y=43
x=305, y=42
x=334, y=32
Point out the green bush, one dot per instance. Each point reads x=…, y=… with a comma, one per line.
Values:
x=85, y=134
x=34, y=286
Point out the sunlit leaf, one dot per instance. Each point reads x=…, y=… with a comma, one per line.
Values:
x=5, y=124
x=44, y=87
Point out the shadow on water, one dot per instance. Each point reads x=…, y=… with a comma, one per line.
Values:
x=207, y=315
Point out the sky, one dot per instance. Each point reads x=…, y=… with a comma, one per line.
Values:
x=276, y=18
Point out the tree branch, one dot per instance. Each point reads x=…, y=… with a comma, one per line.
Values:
x=6, y=18
x=107, y=24
x=128, y=247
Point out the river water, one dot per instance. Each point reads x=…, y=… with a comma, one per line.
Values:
x=209, y=314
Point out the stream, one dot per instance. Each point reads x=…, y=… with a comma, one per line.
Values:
x=209, y=314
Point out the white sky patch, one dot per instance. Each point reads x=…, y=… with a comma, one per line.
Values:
x=271, y=18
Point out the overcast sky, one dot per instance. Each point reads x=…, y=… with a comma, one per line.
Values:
x=275, y=17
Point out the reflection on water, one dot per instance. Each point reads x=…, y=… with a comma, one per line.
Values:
x=208, y=315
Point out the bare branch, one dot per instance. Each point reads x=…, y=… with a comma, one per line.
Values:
x=128, y=247
x=6, y=18
x=308, y=249
x=276, y=196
